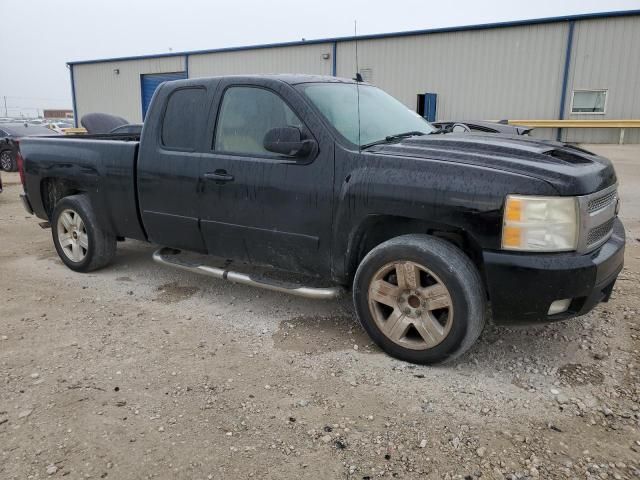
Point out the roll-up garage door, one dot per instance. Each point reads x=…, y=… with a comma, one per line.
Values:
x=151, y=81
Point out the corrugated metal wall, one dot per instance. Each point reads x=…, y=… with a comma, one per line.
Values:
x=497, y=73
x=295, y=59
x=99, y=89
x=606, y=55
x=482, y=74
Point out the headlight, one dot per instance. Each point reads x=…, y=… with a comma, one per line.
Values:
x=542, y=224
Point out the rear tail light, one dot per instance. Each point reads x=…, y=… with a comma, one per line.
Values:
x=20, y=162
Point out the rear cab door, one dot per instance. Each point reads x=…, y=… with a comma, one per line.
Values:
x=173, y=138
x=258, y=206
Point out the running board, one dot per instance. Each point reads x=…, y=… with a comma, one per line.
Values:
x=169, y=256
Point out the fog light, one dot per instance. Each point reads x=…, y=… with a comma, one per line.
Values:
x=559, y=306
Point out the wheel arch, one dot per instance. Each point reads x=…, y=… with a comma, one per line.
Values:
x=376, y=229
x=53, y=189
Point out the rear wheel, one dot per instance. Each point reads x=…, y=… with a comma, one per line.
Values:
x=8, y=161
x=80, y=242
x=420, y=299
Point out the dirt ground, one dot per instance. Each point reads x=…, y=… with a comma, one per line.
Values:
x=139, y=371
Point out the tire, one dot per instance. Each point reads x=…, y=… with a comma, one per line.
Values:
x=420, y=299
x=8, y=161
x=81, y=243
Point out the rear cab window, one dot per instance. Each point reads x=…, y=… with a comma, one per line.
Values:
x=183, y=118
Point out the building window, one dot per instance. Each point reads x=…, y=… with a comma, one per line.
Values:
x=589, y=101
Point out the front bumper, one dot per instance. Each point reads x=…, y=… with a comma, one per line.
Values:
x=523, y=286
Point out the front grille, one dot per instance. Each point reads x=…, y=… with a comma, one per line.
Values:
x=597, y=216
x=602, y=202
x=598, y=233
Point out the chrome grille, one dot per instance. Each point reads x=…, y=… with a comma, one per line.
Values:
x=597, y=216
x=602, y=202
x=598, y=233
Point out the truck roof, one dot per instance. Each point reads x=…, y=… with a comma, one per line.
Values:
x=290, y=78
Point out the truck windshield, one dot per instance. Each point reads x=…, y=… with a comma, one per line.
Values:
x=381, y=115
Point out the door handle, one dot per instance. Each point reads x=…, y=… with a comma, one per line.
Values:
x=219, y=176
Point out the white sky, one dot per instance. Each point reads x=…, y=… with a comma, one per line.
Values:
x=38, y=37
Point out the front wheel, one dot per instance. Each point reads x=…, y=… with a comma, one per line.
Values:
x=81, y=243
x=420, y=299
x=8, y=161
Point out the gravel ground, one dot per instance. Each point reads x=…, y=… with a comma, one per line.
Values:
x=138, y=371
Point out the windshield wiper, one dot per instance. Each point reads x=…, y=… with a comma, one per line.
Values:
x=391, y=138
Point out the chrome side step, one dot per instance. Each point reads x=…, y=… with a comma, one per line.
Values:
x=169, y=256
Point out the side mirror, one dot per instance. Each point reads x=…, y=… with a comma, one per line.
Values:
x=287, y=141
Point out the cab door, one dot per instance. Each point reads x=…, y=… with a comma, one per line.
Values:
x=258, y=206
x=169, y=165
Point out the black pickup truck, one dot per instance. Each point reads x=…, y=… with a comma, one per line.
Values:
x=337, y=180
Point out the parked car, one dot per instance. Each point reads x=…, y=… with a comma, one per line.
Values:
x=339, y=180
x=10, y=133
x=59, y=127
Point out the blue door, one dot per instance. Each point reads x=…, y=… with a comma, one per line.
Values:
x=430, y=102
x=151, y=81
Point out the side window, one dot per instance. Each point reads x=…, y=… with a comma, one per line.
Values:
x=185, y=112
x=246, y=115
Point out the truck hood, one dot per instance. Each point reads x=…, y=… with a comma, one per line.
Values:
x=570, y=170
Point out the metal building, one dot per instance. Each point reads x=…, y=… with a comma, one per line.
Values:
x=572, y=67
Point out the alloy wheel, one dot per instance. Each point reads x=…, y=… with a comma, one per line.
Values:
x=410, y=305
x=72, y=235
x=5, y=161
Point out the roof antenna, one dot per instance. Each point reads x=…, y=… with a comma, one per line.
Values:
x=358, y=80
x=355, y=36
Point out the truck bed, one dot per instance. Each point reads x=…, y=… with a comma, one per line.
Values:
x=102, y=166
x=125, y=137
